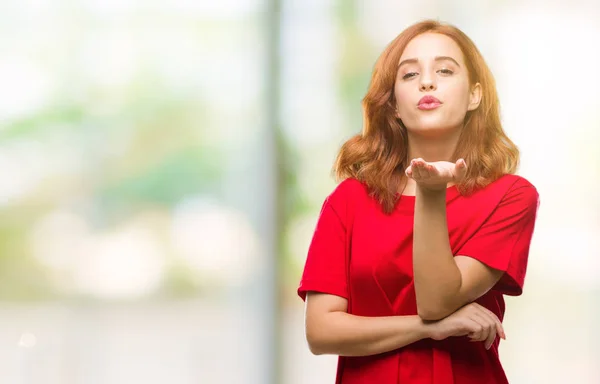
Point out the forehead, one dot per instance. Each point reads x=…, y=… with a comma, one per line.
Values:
x=429, y=45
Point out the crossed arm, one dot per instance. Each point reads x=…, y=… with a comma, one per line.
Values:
x=443, y=283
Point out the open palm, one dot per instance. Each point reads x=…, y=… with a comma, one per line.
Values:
x=436, y=175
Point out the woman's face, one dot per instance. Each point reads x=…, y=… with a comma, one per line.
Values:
x=432, y=87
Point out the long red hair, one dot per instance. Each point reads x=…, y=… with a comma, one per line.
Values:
x=378, y=156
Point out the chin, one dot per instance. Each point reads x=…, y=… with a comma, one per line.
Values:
x=431, y=129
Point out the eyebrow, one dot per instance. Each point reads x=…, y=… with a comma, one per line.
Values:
x=437, y=58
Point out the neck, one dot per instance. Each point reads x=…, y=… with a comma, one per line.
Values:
x=431, y=149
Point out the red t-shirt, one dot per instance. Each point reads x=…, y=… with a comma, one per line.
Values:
x=360, y=253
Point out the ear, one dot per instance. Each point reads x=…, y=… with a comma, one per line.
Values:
x=474, y=97
x=394, y=104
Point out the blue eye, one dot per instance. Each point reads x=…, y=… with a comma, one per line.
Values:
x=409, y=75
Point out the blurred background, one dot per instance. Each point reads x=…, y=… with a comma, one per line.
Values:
x=163, y=163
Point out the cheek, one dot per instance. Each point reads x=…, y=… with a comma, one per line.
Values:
x=402, y=98
x=460, y=92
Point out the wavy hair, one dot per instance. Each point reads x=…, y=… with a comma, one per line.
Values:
x=378, y=155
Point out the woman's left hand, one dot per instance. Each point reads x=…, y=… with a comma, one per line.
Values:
x=436, y=175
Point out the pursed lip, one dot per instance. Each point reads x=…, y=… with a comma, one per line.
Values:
x=428, y=103
x=429, y=100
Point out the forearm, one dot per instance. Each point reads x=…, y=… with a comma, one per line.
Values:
x=343, y=334
x=437, y=278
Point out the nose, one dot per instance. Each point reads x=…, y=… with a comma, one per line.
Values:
x=427, y=83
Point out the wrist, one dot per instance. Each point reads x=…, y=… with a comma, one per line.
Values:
x=425, y=328
x=432, y=189
x=432, y=194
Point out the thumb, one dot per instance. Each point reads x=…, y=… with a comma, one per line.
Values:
x=461, y=168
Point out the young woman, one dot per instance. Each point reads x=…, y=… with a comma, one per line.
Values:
x=429, y=227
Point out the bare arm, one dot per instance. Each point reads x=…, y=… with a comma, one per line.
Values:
x=443, y=283
x=331, y=330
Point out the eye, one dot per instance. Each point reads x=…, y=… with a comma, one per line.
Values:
x=446, y=71
x=409, y=75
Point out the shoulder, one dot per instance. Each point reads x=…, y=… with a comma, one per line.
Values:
x=508, y=184
x=347, y=191
x=517, y=181
x=519, y=187
x=515, y=191
x=508, y=191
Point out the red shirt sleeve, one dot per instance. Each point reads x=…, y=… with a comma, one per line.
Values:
x=325, y=267
x=503, y=240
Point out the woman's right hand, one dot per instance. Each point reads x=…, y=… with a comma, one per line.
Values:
x=472, y=320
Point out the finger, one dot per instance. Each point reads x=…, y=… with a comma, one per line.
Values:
x=477, y=334
x=469, y=328
x=408, y=171
x=487, y=326
x=489, y=334
x=492, y=315
x=476, y=330
x=460, y=169
x=491, y=337
x=416, y=169
x=424, y=168
x=431, y=170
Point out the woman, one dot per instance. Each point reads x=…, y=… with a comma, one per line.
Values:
x=415, y=248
